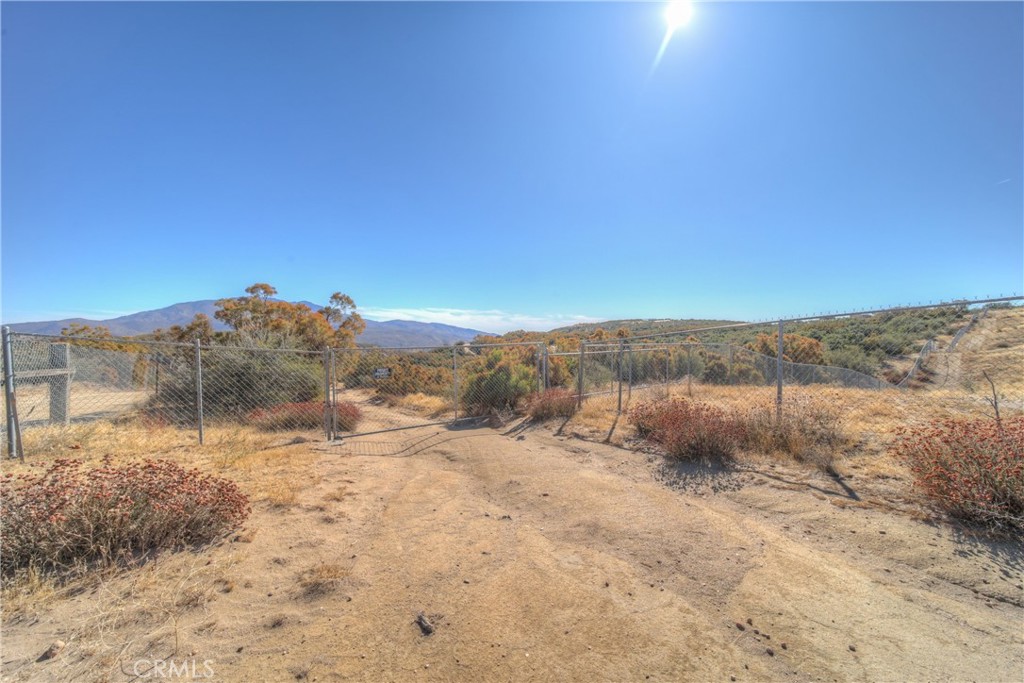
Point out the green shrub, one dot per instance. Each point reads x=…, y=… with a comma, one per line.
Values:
x=498, y=387
x=715, y=371
x=237, y=382
x=745, y=373
x=852, y=358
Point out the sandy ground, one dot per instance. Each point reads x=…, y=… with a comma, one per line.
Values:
x=537, y=556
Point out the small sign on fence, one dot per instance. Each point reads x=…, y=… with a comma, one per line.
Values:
x=381, y=373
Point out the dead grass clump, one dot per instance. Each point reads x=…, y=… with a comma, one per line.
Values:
x=72, y=516
x=320, y=580
x=308, y=415
x=972, y=468
x=338, y=495
x=808, y=430
x=545, y=405
x=424, y=404
x=117, y=439
x=280, y=493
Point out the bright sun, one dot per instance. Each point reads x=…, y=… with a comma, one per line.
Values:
x=678, y=14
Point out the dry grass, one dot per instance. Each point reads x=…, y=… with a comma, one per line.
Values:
x=338, y=495
x=425, y=404
x=320, y=580
x=866, y=419
x=87, y=400
x=997, y=348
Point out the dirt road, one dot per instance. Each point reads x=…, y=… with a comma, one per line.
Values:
x=539, y=557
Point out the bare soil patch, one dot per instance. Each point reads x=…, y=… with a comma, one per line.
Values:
x=532, y=555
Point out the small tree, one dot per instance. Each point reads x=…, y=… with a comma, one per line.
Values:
x=260, y=320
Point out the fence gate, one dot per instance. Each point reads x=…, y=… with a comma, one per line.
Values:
x=373, y=390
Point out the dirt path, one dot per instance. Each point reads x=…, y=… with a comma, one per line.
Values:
x=537, y=557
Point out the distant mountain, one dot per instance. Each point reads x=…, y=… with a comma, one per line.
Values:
x=404, y=333
x=411, y=333
x=130, y=325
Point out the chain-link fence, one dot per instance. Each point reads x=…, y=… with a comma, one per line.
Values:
x=876, y=369
x=866, y=374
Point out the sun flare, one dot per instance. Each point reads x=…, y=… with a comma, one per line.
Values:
x=678, y=13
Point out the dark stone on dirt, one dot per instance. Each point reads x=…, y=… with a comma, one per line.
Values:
x=52, y=651
x=771, y=652
x=750, y=622
x=853, y=648
x=741, y=626
x=784, y=646
x=425, y=626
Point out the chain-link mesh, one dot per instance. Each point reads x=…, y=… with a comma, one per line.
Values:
x=872, y=371
x=269, y=389
x=378, y=389
x=497, y=379
x=60, y=381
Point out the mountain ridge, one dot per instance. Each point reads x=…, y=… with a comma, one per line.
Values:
x=400, y=333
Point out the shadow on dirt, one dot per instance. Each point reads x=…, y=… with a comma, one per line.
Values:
x=700, y=477
x=845, y=490
x=1006, y=551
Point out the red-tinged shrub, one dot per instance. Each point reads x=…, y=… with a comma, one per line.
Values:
x=304, y=415
x=545, y=405
x=973, y=469
x=72, y=515
x=688, y=429
x=348, y=416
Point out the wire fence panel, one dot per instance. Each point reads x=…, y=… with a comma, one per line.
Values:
x=393, y=388
x=269, y=389
x=497, y=379
x=59, y=381
x=876, y=370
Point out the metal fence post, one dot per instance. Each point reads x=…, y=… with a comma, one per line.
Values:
x=199, y=390
x=579, y=377
x=545, y=359
x=618, y=365
x=689, y=370
x=629, y=385
x=12, y=439
x=540, y=370
x=327, y=393
x=334, y=395
x=778, y=379
x=455, y=379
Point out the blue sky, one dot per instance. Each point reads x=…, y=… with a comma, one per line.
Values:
x=505, y=165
